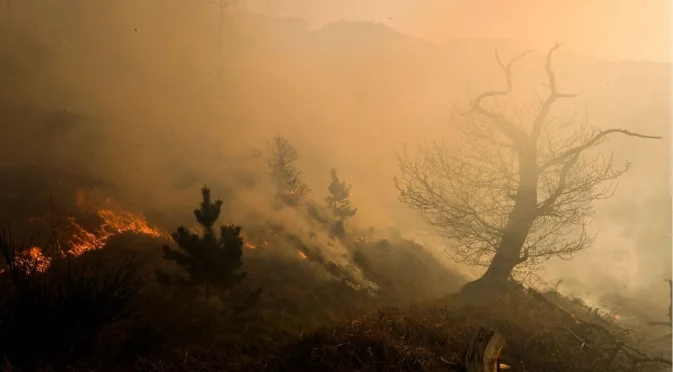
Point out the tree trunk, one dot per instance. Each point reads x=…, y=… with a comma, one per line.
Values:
x=519, y=223
x=508, y=254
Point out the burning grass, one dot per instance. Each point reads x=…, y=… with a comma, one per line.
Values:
x=114, y=221
x=69, y=235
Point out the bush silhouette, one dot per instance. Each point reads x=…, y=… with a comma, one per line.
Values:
x=205, y=260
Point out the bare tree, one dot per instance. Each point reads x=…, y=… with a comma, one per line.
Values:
x=512, y=192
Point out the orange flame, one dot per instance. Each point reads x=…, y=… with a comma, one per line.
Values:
x=115, y=221
x=247, y=242
x=80, y=240
x=33, y=259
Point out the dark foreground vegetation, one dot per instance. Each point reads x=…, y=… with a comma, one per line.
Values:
x=286, y=307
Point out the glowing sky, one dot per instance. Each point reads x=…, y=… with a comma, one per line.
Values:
x=610, y=29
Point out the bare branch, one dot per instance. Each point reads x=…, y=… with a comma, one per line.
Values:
x=553, y=95
x=441, y=185
x=578, y=149
x=498, y=120
x=549, y=203
x=494, y=189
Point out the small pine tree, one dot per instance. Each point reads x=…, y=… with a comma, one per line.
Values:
x=207, y=261
x=339, y=203
x=290, y=188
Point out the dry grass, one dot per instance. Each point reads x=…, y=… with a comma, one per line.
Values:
x=540, y=336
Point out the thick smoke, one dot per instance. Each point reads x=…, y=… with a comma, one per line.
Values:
x=156, y=98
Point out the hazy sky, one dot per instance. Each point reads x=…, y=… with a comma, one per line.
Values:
x=611, y=29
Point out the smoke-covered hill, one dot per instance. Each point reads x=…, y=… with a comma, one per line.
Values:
x=150, y=98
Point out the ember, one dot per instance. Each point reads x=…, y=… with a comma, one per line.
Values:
x=248, y=243
x=33, y=259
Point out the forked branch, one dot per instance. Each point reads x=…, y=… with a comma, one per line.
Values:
x=553, y=95
x=575, y=151
x=497, y=119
